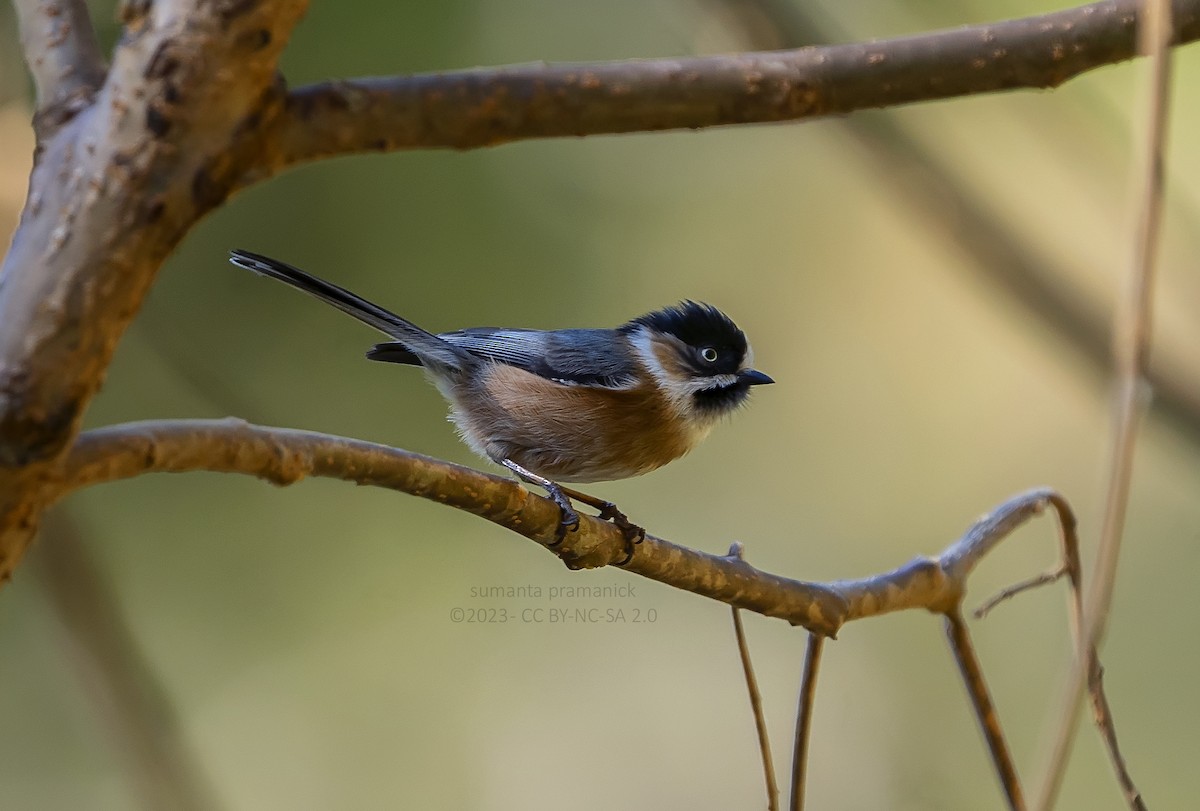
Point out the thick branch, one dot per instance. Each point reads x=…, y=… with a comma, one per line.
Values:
x=113, y=192
x=284, y=456
x=487, y=106
x=63, y=57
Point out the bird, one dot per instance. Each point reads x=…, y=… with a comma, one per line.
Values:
x=567, y=405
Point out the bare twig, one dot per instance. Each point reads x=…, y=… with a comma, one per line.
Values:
x=143, y=723
x=483, y=107
x=1071, y=568
x=736, y=550
x=1102, y=715
x=804, y=710
x=985, y=710
x=1131, y=343
x=63, y=57
x=1043, y=579
x=1133, y=319
x=1101, y=712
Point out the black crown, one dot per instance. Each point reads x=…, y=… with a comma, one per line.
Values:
x=698, y=325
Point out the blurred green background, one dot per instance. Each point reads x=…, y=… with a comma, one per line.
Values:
x=303, y=636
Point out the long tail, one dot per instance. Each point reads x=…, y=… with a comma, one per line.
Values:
x=424, y=345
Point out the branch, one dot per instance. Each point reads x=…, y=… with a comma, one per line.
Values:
x=63, y=57
x=283, y=456
x=985, y=709
x=808, y=694
x=113, y=191
x=737, y=550
x=488, y=106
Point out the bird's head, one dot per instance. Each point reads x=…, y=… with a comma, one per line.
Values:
x=698, y=357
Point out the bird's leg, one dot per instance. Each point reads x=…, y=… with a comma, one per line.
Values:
x=569, y=520
x=609, y=512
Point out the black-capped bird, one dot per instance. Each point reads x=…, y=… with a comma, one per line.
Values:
x=568, y=405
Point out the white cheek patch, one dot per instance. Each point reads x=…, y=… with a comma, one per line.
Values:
x=673, y=385
x=643, y=345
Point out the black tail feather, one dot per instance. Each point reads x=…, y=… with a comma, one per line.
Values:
x=421, y=345
x=393, y=352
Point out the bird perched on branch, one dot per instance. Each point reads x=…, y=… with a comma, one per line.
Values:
x=569, y=405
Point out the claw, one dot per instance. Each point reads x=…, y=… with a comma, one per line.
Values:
x=632, y=533
x=568, y=521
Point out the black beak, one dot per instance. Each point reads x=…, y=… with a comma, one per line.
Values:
x=752, y=377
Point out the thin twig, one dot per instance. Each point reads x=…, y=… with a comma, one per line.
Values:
x=808, y=693
x=143, y=723
x=760, y=722
x=1101, y=712
x=985, y=710
x=1043, y=579
x=1102, y=715
x=1071, y=567
x=1131, y=343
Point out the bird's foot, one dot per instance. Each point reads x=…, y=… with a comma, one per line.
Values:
x=632, y=533
x=568, y=520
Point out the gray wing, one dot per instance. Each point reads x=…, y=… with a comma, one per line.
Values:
x=583, y=357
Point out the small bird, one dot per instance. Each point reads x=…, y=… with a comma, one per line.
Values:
x=569, y=405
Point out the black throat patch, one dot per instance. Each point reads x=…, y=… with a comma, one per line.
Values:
x=722, y=399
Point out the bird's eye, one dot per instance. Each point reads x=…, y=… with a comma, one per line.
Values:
x=709, y=354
